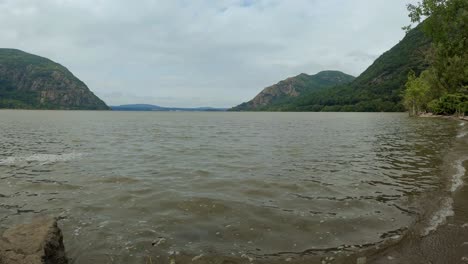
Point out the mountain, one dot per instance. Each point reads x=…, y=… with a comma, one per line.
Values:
x=148, y=107
x=277, y=95
x=28, y=81
x=378, y=88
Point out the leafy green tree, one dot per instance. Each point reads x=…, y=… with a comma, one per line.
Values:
x=417, y=94
x=447, y=24
x=450, y=104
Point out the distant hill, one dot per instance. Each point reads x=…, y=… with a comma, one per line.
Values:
x=28, y=81
x=149, y=107
x=378, y=88
x=276, y=96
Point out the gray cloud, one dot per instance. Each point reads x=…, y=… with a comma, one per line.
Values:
x=201, y=52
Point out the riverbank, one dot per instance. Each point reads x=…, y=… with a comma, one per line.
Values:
x=446, y=244
x=448, y=241
x=463, y=118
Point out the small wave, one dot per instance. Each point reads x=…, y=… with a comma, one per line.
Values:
x=446, y=206
x=43, y=158
x=462, y=134
x=457, y=179
x=439, y=217
x=462, y=123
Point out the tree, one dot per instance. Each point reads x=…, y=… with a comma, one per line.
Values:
x=416, y=96
x=447, y=24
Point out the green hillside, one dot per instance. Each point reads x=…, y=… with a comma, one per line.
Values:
x=379, y=88
x=28, y=81
x=277, y=96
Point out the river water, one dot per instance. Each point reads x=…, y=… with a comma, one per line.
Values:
x=134, y=186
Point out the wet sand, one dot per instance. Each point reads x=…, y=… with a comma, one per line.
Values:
x=448, y=244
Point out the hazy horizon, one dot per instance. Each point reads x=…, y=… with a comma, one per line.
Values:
x=203, y=53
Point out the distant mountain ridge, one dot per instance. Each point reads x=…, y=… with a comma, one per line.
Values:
x=149, y=107
x=379, y=88
x=292, y=87
x=29, y=81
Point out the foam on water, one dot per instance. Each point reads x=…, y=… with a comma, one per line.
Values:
x=457, y=179
x=446, y=208
x=462, y=134
x=440, y=217
x=42, y=158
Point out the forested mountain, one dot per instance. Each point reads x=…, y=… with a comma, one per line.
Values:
x=28, y=81
x=379, y=88
x=279, y=94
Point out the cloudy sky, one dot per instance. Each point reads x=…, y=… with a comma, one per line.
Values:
x=200, y=52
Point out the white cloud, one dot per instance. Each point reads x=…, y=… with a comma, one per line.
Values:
x=201, y=52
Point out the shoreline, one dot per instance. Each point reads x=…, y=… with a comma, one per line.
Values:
x=448, y=241
x=430, y=115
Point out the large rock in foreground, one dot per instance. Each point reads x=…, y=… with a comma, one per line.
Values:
x=40, y=242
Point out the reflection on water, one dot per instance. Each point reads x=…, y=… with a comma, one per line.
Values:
x=132, y=185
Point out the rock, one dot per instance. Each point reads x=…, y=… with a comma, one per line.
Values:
x=40, y=242
x=361, y=260
x=197, y=257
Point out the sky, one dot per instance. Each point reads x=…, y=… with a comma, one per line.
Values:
x=190, y=53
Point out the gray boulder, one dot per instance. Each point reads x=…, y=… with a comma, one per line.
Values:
x=39, y=242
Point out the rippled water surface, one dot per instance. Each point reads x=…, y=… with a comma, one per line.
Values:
x=129, y=185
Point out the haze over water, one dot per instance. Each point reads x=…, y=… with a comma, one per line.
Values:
x=133, y=184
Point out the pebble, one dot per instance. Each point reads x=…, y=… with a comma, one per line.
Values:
x=159, y=242
x=390, y=258
x=245, y=256
x=361, y=260
x=197, y=257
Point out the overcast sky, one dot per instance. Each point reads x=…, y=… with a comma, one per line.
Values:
x=200, y=52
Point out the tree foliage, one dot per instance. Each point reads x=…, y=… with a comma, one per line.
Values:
x=446, y=23
x=416, y=95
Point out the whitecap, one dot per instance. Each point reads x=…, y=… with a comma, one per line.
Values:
x=446, y=207
x=457, y=179
x=440, y=217
x=8, y=161
x=462, y=134
x=42, y=158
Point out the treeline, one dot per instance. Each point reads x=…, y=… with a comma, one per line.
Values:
x=443, y=87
